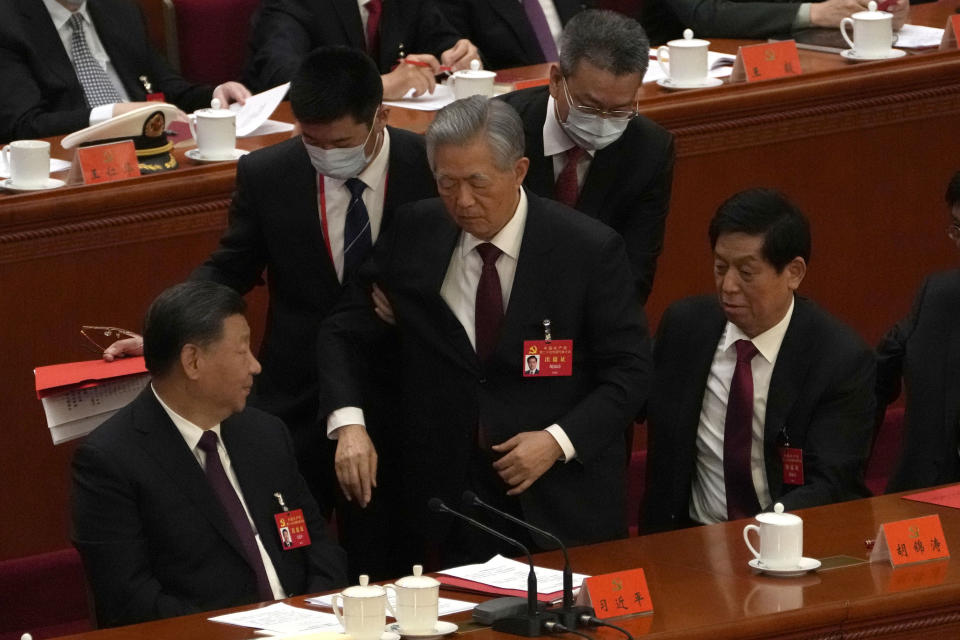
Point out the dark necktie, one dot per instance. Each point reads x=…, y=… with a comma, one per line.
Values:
x=541, y=29
x=357, y=239
x=232, y=506
x=374, y=10
x=567, y=190
x=738, y=438
x=95, y=82
x=489, y=304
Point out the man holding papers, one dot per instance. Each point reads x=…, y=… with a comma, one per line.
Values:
x=179, y=499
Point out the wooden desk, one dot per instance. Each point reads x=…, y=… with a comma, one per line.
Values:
x=701, y=586
x=866, y=149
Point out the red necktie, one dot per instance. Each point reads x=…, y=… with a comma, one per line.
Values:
x=567, y=190
x=738, y=438
x=489, y=305
x=374, y=9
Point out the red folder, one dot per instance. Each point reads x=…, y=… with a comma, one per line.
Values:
x=58, y=378
x=946, y=496
x=478, y=587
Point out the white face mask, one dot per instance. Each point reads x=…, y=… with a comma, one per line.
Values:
x=589, y=131
x=340, y=164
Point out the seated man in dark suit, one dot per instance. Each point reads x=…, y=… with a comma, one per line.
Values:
x=666, y=19
x=295, y=216
x=511, y=33
x=588, y=146
x=759, y=396
x=174, y=497
x=922, y=352
x=473, y=278
x=68, y=64
x=285, y=31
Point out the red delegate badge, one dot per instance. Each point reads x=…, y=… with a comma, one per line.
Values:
x=292, y=529
x=543, y=358
x=791, y=459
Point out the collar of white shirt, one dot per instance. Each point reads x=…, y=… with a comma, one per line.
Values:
x=767, y=343
x=508, y=239
x=191, y=433
x=60, y=14
x=555, y=140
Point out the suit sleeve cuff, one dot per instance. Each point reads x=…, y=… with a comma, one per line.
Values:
x=569, y=451
x=802, y=21
x=341, y=418
x=101, y=114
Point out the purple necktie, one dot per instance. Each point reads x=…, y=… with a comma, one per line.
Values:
x=228, y=498
x=738, y=438
x=542, y=30
x=489, y=305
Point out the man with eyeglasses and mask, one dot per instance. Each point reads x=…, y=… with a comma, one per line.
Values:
x=588, y=146
x=922, y=353
x=308, y=211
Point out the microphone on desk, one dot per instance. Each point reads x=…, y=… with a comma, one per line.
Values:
x=571, y=617
x=529, y=624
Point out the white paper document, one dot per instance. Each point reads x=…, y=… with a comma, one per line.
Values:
x=442, y=96
x=504, y=573
x=915, y=36
x=446, y=606
x=719, y=65
x=77, y=412
x=282, y=618
x=257, y=109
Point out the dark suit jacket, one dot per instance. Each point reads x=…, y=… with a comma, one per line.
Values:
x=820, y=393
x=501, y=31
x=154, y=539
x=923, y=350
x=571, y=270
x=278, y=229
x=43, y=96
x=285, y=31
x=666, y=19
x=627, y=186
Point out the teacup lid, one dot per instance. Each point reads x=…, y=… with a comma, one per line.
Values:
x=872, y=13
x=364, y=589
x=417, y=580
x=688, y=40
x=778, y=516
x=215, y=111
x=474, y=71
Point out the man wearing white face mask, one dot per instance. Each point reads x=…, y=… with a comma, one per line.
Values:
x=588, y=146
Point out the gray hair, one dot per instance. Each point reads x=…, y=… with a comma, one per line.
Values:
x=464, y=120
x=606, y=39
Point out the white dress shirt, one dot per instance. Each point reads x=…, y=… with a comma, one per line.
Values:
x=556, y=143
x=708, y=497
x=338, y=196
x=191, y=434
x=60, y=15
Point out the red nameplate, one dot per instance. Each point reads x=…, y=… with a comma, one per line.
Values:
x=108, y=162
x=292, y=529
x=910, y=541
x=950, y=33
x=613, y=595
x=766, y=61
x=543, y=359
x=791, y=458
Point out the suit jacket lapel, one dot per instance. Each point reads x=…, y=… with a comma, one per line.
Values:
x=789, y=373
x=46, y=40
x=703, y=347
x=600, y=178
x=349, y=14
x=163, y=441
x=111, y=35
x=540, y=175
x=301, y=190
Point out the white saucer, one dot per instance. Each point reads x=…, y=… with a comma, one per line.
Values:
x=52, y=183
x=443, y=628
x=805, y=565
x=668, y=83
x=850, y=54
x=389, y=635
x=194, y=154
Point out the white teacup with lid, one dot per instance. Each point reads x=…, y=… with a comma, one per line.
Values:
x=417, y=602
x=781, y=539
x=362, y=609
x=28, y=162
x=473, y=81
x=215, y=131
x=687, y=62
x=872, y=33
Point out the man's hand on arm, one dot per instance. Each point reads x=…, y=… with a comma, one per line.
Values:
x=460, y=55
x=382, y=306
x=831, y=12
x=125, y=347
x=417, y=72
x=356, y=463
x=527, y=456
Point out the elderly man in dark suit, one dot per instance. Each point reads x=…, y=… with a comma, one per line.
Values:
x=759, y=395
x=477, y=279
x=922, y=352
x=388, y=30
x=68, y=64
x=510, y=33
x=174, y=497
x=588, y=146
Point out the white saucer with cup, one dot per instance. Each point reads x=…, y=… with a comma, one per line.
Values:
x=472, y=82
x=686, y=63
x=781, y=544
x=215, y=131
x=361, y=610
x=417, y=602
x=29, y=164
x=873, y=37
